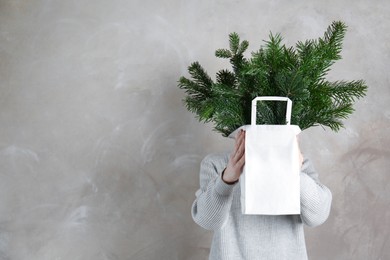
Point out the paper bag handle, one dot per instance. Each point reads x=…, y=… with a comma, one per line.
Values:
x=269, y=98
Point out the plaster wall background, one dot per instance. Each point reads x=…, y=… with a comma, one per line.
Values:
x=99, y=158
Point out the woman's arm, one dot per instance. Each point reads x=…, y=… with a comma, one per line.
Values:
x=213, y=200
x=316, y=198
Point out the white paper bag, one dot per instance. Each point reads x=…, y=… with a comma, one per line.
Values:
x=270, y=183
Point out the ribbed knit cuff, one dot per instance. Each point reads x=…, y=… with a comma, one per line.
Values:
x=306, y=187
x=222, y=188
x=316, y=201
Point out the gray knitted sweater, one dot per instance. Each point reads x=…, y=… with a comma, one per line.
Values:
x=217, y=207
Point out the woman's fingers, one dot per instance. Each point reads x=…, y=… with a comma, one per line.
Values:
x=300, y=153
x=236, y=160
x=240, y=148
x=237, y=143
x=241, y=162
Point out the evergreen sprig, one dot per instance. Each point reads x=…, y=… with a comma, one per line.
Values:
x=274, y=70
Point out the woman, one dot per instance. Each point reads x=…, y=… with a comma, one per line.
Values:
x=237, y=236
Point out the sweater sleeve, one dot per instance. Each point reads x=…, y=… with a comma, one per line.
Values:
x=211, y=207
x=316, y=198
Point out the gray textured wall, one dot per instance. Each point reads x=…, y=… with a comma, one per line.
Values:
x=99, y=159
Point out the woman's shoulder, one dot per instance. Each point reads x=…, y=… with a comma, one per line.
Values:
x=216, y=158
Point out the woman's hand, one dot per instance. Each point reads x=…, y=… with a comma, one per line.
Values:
x=236, y=162
x=301, y=159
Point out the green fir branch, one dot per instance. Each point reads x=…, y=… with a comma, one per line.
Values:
x=274, y=70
